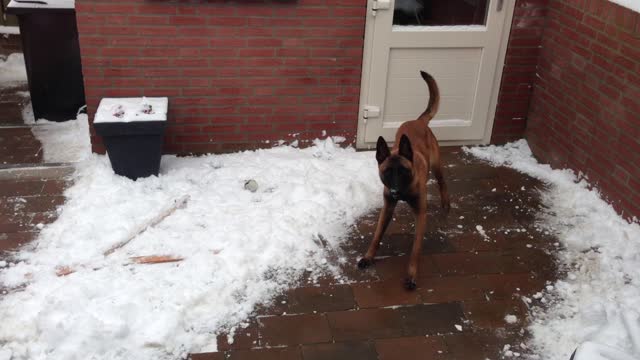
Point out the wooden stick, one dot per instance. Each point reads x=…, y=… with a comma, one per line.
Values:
x=64, y=270
x=177, y=204
x=155, y=259
x=145, y=260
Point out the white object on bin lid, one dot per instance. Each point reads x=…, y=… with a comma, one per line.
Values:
x=44, y=4
x=113, y=110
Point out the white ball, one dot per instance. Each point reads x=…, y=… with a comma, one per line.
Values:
x=251, y=185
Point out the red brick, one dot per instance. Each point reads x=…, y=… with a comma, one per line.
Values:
x=266, y=354
x=293, y=330
x=340, y=351
x=114, y=8
x=411, y=348
x=365, y=324
x=187, y=20
x=207, y=356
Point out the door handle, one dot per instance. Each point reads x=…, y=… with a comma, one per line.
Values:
x=499, y=7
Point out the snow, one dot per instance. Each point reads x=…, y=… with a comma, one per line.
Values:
x=511, y=319
x=239, y=249
x=48, y=4
x=597, y=301
x=64, y=142
x=629, y=4
x=131, y=109
x=12, y=70
x=10, y=30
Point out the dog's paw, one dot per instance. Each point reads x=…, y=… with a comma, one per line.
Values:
x=364, y=263
x=410, y=284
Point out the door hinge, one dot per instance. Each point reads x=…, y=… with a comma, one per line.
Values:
x=370, y=111
x=380, y=5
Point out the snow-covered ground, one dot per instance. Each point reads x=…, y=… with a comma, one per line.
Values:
x=239, y=248
x=12, y=70
x=598, y=302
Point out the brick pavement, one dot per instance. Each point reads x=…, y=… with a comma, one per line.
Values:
x=463, y=280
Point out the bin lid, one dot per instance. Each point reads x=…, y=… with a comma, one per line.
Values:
x=41, y=4
x=123, y=110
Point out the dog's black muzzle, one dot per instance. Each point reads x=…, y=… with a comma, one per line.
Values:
x=394, y=194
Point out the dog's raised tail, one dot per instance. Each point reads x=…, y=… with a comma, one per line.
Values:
x=434, y=98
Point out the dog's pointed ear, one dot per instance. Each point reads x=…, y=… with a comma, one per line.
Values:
x=382, y=150
x=405, y=148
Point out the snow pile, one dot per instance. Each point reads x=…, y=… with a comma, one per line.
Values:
x=64, y=142
x=239, y=249
x=602, y=259
x=12, y=70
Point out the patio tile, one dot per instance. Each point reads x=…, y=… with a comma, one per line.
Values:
x=395, y=267
x=246, y=338
x=491, y=315
x=471, y=346
x=293, y=330
x=412, y=348
x=12, y=241
x=18, y=145
x=322, y=299
x=365, y=324
x=20, y=188
x=292, y=353
x=340, y=351
x=421, y=320
x=383, y=294
x=451, y=288
x=207, y=356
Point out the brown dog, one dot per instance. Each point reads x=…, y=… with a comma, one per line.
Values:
x=404, y=171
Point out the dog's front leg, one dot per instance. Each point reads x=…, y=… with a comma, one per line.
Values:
x=421, y=226
x=383, y=222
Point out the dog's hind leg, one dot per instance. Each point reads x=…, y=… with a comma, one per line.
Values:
x=442, y=185
x=383, y=222
x=436, y=167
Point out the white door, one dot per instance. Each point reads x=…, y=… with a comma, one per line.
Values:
x=460, y=42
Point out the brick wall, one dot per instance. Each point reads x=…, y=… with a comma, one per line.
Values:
x=10, y=44
x=519, y=70
x=243, y=75
x=238, y=74
x=586, y=103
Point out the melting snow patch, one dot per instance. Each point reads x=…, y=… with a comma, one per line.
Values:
x=598, y=301
x=238, y=249
x=482, y=233
x=511, y=319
